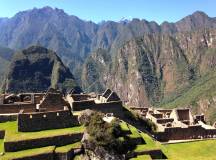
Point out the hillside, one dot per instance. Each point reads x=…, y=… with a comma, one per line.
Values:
x=200, y=97
x=5, y=57
x=35, y=69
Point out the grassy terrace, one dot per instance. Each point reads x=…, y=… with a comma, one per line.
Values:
x=142, y=157
x=12, y=133
x=150, y=144
x=134, y=132
x=67, y=148
x=124, y=127
x=26, y=153
x=1, y=145
x=191, y=151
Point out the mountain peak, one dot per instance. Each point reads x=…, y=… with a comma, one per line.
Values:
x=36, y=69
x=200, y=14
x=35, y=49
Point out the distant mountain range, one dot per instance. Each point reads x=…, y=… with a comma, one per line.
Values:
x=146, y=63
x=74, y=39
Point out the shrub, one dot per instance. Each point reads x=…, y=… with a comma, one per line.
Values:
x=103, y=133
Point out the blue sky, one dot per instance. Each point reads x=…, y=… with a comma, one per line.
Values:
x=98, y=10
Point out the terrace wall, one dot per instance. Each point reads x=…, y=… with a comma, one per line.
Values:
x=68, y=155
x=28, y=122
x=59, y=140
x=45, y=156
x=2, y=134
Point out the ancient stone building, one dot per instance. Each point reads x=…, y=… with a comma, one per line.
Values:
x=177, y=124
x=108, y=102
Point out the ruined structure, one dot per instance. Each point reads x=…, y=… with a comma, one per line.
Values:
x=38, y=112
x=108, y=102
x=37, y=121
x=177, y=124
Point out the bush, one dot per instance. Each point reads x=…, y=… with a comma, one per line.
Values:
x=104, y=134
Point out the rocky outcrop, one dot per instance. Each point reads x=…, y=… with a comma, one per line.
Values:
x=35, y=70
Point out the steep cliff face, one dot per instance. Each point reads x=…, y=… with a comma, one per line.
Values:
x=36, y=69
x=147, y=69
x=94, y=71
x=156, y=68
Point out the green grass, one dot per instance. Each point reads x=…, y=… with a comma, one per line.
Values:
x=199, y=150
x=47, y=133
x=134, y=132
x=1, y=145
x=26, y=153
x=12, y=133
x=77, y=113
x=124, y=127
x=77, y=157
x=142, y=157
x=150, y=144
x=67, y=148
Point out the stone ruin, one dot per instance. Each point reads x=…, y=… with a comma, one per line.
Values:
x=12, y=104
x=38, y=112
x=53, y=100
x=38, y=121
x=108, y=102
x=51, y=110
x=177, y=124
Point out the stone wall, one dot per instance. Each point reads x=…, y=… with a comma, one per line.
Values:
x=82, y=105
x=15, y=108
x=69, y=154
x=7, y=117
x=44, y=156
x=38, y=97
x=53, y=100
x=80, y=97
x=28, y=122
x=192, y=132
x=2, y=134
x=165, y=120
x=108, y=107
x=59, y=140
